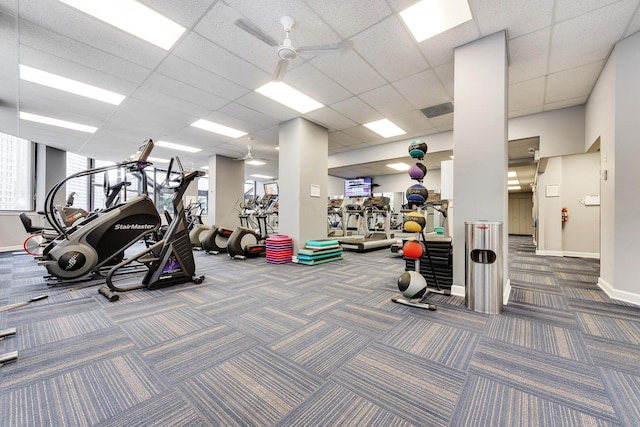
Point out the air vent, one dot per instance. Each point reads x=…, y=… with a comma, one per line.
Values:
x=438, y=110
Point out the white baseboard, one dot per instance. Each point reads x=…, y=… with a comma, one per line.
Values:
x=506, y=292
x=457, y=290
x=568, y=254
x=11, y=248
x=618, y=294
x=582, y=254
x=549, y=253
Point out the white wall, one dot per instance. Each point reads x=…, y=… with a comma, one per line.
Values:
x=561, y=131
x=581, y=178
x=575, y=177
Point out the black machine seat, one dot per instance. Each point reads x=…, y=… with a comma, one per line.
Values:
x=28, y=226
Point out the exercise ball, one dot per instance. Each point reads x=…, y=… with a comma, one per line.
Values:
x=417, y=171
x=417, y=149
x=414, y=222
x=417, y=194
x=412, y=284
x=413, y=249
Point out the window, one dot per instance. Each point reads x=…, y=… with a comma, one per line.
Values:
x=16, y=170
x=80, y=185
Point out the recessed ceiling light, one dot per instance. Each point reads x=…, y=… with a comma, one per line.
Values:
x=174, y=146
x=385, y=128
x=56, y=122
x=262, y=176
x=292, y=98
x=399, y=166
x=217, y=128
x=134, y=18
x=430, y=17
x=513, y=182
x=62, y=83
x=512, y=174
x=514, y=187
x=255, y=162
x=205, y=167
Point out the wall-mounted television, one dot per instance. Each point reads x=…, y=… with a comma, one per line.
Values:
x=271, y=189
x=358, y=187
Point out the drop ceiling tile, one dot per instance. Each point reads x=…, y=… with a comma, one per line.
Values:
x=350, y=71
x=62, y=105
x=439, y=48
x=183, y=13
x=267, y=106
x=309, y=29
x=422, y=89
x=218, y=26
x=519, y=17
x=445, y=75
x=330, y=119
x=117, y=83
x=527, y=94
x=200, y=51
x=250, y=119
x=187, y=72
x=587, y=38
x=567, y=9
x=172, y=95
x=349, y=18
x=413, y=122
x=343, y=139
x=72, y=24
x=528, y=55
x=356, y=110
x=386, y=100
x=362, y=134
x=565, y=103
x=401, y=57
x=634, y=25
x=316, y=84
x=525, y=112
x=572, y=83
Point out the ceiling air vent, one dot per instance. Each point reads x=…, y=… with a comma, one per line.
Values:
x=438, y=110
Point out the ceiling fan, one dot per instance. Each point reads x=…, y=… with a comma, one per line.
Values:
x=247, y=156
x=286, y=51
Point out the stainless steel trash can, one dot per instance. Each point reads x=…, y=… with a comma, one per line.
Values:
x=483, y=266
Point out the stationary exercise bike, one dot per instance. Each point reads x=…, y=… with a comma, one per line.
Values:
x=169, y=261
x=101, y=239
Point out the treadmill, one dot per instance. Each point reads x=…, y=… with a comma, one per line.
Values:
x=377, y=234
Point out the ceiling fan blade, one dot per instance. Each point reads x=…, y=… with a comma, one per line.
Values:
x=256, y=32
x=281, y=68
x=325, y=49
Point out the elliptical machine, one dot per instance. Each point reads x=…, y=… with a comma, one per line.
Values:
x=169, y=261
x=82, y=250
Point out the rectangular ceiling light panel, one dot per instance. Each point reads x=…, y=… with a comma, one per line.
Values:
x=72, y=86
x=56, y=122
x=255, y=162
x=399, y=166
x=430, y=17
x=385, y=128
x=292, y=98
x=179, y=147
x=134, y=18
x=217, y=128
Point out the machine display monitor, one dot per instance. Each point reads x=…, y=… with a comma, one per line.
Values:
x=271, y=189
x=359, y=187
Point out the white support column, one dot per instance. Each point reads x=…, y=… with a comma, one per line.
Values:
x=226, y=189
x=480, y=143
x=303, y=181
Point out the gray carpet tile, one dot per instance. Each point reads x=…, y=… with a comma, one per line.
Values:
x=258, y=344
